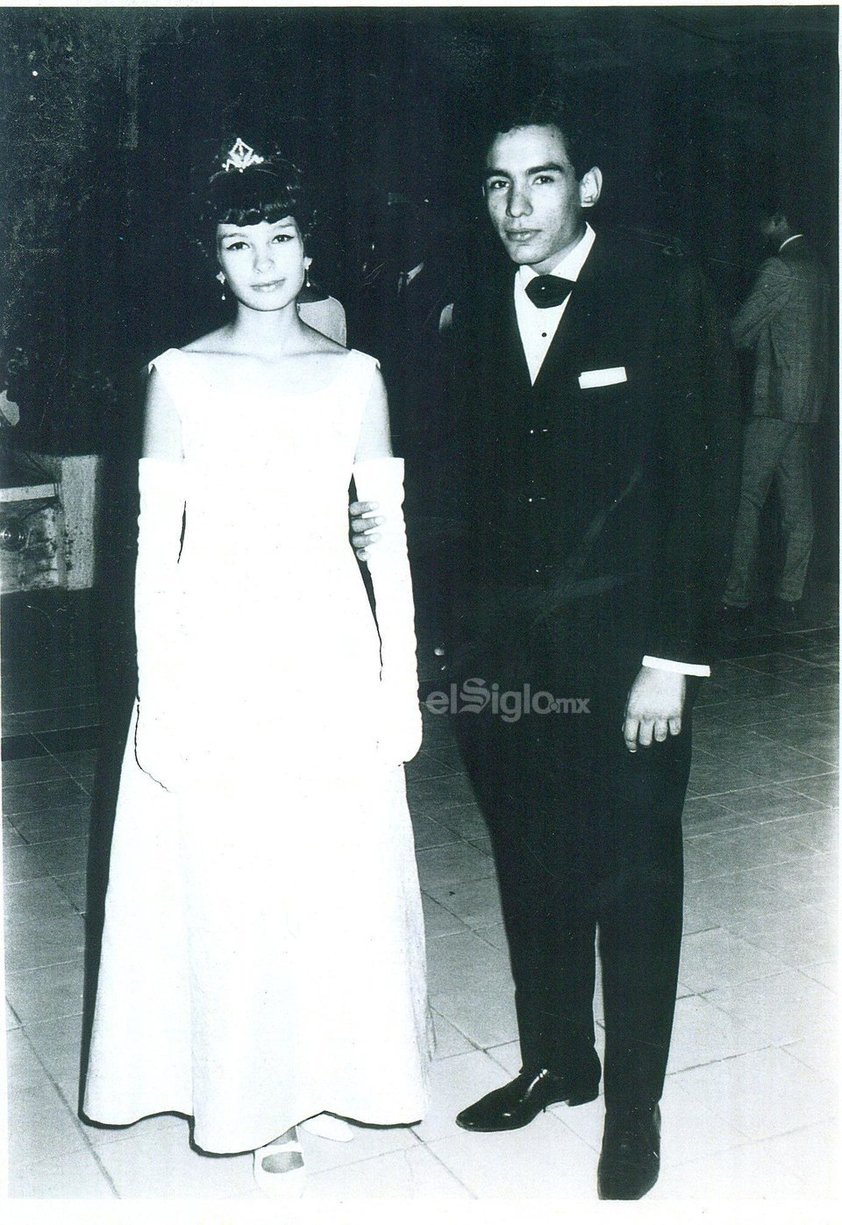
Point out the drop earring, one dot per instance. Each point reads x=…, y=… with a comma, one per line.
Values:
x=220, y=276
x=307, y=264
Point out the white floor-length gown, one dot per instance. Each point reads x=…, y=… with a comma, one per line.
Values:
x=263, y=952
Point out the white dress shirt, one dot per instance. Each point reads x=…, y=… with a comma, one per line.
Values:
x=537, y=326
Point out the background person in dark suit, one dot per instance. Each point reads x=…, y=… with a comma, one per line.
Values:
x=784, y=324
x=580, y=412
x=399, y=313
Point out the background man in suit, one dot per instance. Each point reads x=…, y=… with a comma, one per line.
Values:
x=579, y=410
x=399, y=314
x=784, y=322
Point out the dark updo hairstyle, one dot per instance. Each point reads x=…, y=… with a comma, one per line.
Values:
x=265, y=191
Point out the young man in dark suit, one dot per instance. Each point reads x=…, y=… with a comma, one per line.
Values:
x=575, y=476
x=579, y=412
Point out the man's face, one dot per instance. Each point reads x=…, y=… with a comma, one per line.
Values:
x=772, y=227
x=533, y=196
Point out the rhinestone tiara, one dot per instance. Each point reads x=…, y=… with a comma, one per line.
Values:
x=241, y=156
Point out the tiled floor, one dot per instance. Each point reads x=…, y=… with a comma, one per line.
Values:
x=750, y=1103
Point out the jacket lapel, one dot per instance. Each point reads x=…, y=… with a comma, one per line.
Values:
x=580, y=324
x=505, y=351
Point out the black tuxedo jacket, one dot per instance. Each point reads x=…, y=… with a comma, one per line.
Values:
x=578, y=499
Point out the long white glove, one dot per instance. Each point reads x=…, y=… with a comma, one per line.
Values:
x=381, y=481
x=158, y=621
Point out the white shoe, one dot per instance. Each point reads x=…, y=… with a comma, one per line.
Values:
x=279, y=1167
x=329, y=1127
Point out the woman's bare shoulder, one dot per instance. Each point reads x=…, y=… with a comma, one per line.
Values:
x=213, y=342
x=317, y=342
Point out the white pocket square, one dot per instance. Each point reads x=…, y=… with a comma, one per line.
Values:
x=602, y=378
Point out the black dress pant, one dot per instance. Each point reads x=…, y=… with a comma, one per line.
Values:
x=587, y=839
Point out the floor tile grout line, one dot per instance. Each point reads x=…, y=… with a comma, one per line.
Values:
x=72, y=1109
x=106, y=1173
x=62, y=766
x=789, y=816
x=780, y=912
x=447, y=1168
x=745, y=756
x=754, y=787
x=48, y=842
x=743, y=661
x=98, y=727
x=717, y=875
x=744, y=1138
x=766, y=978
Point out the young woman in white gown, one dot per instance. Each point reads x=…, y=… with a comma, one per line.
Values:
x=263, y=954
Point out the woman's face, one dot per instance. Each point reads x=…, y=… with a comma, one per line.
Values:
x=263, y=263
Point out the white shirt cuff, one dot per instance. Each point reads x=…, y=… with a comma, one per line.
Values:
x=672, y=665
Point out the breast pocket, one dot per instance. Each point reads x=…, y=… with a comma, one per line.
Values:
x=605, y=376
x=607, y=422
x=604, y=395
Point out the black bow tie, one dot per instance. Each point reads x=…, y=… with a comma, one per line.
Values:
x=548, y=290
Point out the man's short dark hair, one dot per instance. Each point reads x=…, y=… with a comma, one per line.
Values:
x=550, y=109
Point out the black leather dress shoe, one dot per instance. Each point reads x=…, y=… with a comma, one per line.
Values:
x=517, y=1103
x=631, y=1153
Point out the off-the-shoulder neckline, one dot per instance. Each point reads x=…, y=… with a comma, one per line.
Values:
x=351, y=354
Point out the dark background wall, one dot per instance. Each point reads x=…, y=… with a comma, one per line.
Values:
x=109, y=117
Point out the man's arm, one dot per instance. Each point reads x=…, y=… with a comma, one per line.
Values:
x=769, y=293
x=682, y=385
x=655, y=703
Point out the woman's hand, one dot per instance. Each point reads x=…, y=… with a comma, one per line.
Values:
x=401, y=726
x=364, y=524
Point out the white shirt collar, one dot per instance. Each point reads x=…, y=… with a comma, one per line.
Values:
x=569, y=266
x=791, y=238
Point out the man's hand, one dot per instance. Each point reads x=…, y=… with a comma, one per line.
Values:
x=364, y=524
x=654, y=707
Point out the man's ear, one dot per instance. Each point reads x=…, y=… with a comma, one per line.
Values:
x=590, y=187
